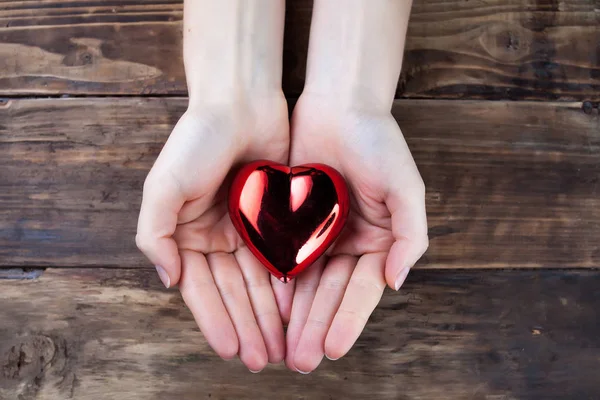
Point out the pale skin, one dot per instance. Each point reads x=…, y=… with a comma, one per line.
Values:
x=237, y=113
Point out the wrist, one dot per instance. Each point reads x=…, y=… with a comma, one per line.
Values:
x=355, y=51
x=344, y=101
x=223, y=93
x=233, y=48
x=210, y=83
x=239, y=98
x=243, y=115
x=326, y=116
x=347, y=96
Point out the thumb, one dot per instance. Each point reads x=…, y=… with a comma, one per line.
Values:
x=409, y=227
x=402, y=256
x=161, y=203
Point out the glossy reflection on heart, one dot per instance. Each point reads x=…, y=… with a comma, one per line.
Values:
x=288, y=216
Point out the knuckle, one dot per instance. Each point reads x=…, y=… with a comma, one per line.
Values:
x=332, y=284
x=419, y=187
x=264, y=314
x=249, y=323
x=227, y=292
x=354, y=315
x=230, y=289
x=316, y=322
x=306, y=287
x=257, y=283
x=148, y=182
x=422, y=243
x=142, y=242
x=370, y=285
x=425, y=243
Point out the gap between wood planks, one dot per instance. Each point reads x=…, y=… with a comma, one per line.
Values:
x=7, y=273
x=587, y=105
x=21, y=273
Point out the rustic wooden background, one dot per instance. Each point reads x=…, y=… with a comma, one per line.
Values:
x=499, y=103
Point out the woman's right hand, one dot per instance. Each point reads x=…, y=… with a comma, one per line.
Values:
x=185, y=230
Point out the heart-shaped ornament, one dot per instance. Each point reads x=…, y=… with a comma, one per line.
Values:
x=288, y=216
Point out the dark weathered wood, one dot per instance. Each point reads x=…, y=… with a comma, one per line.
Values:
x=108, y=334
x=509, y=184
x=91, y=46
x=498, y=49
x=524, y=49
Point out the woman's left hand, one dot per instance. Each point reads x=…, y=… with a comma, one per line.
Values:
x=386, y=233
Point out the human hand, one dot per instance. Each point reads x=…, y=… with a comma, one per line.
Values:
x=185, y=230
x=385, y=235
x=237, y=113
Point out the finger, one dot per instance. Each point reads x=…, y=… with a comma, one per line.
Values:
x=360, y=299
x=409, y=226
x=311, y=346
x=263, y=303
x=161, y=203
x=403, y=255
x=284, y=295
x=200, y=293
x=306, y=288
x=229, y=280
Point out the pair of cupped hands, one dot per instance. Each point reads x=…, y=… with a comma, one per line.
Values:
x=185, y=230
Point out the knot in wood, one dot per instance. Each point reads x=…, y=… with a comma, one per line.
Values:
x=28, y=357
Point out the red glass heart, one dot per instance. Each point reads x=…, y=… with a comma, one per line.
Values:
x=288, y=216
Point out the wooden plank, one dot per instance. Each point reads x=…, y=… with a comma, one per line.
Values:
x=509, y=184
x=498, y=49
x=92, y=333
x=91, y=46
x=520, y=49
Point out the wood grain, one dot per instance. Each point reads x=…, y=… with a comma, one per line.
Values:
x=82, y=47
x=510, y=185
x=498, y=49
x=107, y=334
x=495, y=49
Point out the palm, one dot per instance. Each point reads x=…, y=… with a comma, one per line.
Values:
x=208, y=231
x=368, y=229
x=203, y=222
x=369, y=226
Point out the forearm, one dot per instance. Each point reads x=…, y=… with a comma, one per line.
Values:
x=232, y=48
x=356, y=49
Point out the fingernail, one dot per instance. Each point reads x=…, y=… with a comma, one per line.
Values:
x=331, y=359
x=255, y=372
x=164, y=277
x=401, y=277
x=302, y=372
